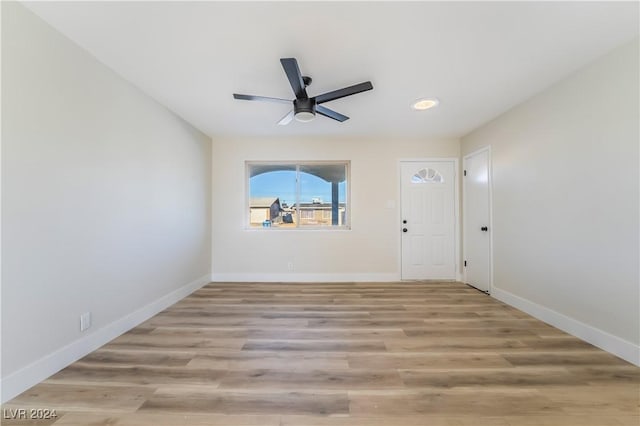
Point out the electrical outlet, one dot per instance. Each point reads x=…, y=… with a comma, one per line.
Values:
x=290, y=266
x=85, y=321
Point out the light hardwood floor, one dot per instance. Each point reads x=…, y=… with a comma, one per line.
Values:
x=406, y=354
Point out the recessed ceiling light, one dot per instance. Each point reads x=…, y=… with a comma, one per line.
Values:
x=425, y=103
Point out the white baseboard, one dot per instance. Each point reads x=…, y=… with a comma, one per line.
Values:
x=621, y=348
x=21, y=380
x=302, y=277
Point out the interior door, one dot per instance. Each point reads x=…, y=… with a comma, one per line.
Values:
x=428, y=219
x=476, y=219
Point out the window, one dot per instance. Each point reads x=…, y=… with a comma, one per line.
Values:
x=307, y=214
x=427, y=176
x=298, y=195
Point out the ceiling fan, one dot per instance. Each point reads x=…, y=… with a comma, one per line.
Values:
x=304, y=107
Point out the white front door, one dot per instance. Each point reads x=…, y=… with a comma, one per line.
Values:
x=428, y=219
x=476, y=217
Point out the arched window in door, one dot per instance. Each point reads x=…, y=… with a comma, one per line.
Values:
x=427, y=175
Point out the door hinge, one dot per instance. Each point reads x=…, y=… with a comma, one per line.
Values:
x=465, y=263
x=465, y=172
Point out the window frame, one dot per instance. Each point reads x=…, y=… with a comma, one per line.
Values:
x=346, y=226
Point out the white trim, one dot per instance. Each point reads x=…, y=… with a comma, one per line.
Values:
x=456, y=208
x=21, y=380
x=622, y=348
x=464, y=198
x=305, y=277
x=305, y=228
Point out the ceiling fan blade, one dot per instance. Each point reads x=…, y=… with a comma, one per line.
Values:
x=331, y=113
x=292, y=70
x=341, y=93
x=286, y=119
x=260, y=98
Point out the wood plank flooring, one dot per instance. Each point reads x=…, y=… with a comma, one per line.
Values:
x=366, y=354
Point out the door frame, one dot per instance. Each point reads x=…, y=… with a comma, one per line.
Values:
x=464, y=210
x=456, y=208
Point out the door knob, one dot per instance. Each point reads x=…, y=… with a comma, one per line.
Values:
x=484, y=228
x=404, y=221
x=404, y=229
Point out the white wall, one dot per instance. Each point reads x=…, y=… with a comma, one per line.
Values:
x=565, y=202
x=369, y=251
x=106, y=202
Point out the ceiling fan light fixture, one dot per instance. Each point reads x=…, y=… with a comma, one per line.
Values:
x=304, y=116
x=425, y=103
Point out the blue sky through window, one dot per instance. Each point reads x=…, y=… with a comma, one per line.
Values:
x=282, y=184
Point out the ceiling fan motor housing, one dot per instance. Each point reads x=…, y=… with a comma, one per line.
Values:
x=304, y=109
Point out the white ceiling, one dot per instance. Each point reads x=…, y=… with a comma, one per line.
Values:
x=479, y=59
